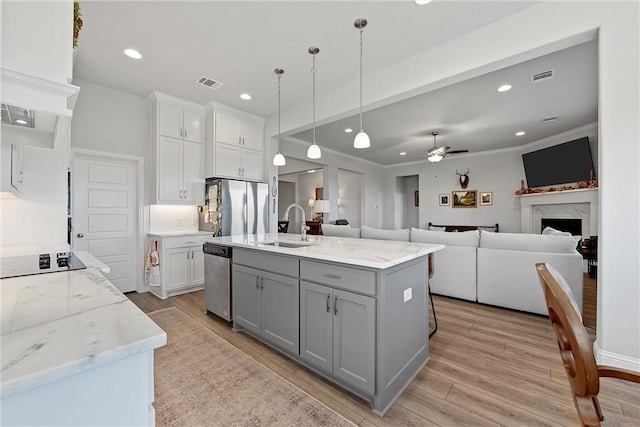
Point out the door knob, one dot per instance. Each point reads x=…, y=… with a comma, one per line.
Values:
x=80, y=235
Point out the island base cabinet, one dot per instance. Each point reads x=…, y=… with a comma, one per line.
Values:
x=93, y=397
x=267, y=304
x=338, y=334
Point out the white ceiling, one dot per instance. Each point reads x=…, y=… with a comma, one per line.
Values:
x=239, y=43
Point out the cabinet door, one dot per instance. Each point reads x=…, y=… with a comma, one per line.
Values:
x=176, y=269
x=170, y=118
x=316, y=320
x=17, y=171
x=193, y=122
x=169, y=177
x=280, y=311
x=228, y=161
x=354, y=339
x=246, y=298
x=252, y=165
x=228, y=129
x=193, y=176
x=252, y=135
x=197, y=265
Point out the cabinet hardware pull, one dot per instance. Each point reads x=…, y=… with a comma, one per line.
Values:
x=185, y=194
x=239, y=172
x=185, y=133
x=180, y=131
x=332, y=276
x=258, y=282
x=239, y=140
x=262, y=283
x=335, y=306
x=328, y=303
x=242, y=171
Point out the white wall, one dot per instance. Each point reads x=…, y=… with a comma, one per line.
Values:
x=411, y=217
x=44, y=29
x=39, y=215
x=543, y=28
x=351, y=195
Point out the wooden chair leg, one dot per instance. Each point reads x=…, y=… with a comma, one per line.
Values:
x=433, y=310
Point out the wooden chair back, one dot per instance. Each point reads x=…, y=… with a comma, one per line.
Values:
x=574, y=344
x=576, y=349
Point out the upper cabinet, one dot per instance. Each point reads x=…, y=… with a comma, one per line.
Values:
x=235, y=144
x=177, y=146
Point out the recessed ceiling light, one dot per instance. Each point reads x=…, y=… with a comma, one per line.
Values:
x=504, y=88
x=403, y=153
x=245, y=96
x=132, y=53
x=520, y=133
x=348, y=130
x=422, y=2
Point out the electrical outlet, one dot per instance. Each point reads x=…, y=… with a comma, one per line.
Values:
x=408, y=294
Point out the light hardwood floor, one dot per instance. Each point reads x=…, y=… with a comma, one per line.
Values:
x=489, y=366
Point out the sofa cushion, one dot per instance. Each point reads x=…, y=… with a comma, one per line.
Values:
x=565, y=287
x=553, y=231
x=340, y=230
x=376, y=233
x=528, y=242
x=436, y=228
x=464, y=238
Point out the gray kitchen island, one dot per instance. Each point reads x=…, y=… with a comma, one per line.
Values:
x=352, y=310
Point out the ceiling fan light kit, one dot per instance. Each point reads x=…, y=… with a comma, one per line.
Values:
x=278, y=159
x=362, y=139
x=438, y=153
x=314, y=150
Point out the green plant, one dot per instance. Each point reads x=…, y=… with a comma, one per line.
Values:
x=77, y=22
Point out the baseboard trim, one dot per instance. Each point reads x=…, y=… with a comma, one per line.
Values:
x=614, y=359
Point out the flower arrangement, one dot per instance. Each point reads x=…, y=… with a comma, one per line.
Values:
x=593, y=183
x=77, y=23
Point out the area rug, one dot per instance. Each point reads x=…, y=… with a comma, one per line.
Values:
x=202, y=380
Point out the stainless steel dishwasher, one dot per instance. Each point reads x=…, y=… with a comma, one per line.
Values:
x=217, y=280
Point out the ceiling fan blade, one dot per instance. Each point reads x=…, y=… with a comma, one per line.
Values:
x=456, y=152
x=437, y=150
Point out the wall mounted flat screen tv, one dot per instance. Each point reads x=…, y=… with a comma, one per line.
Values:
x=561, y=164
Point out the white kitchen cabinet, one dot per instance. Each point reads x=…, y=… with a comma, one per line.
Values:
x=176, y=121
x=181, y=264
x=177, y=142
x=235, y=144
x=12, y=170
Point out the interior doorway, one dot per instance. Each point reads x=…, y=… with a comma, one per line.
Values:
x=407, y=202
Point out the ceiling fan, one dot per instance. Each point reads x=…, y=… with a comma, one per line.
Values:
x=438, y=153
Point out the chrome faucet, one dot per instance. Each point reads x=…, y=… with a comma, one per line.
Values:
x=303, y=228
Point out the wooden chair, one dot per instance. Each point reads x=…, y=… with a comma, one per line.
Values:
x=576, y=347
x=283, y=226
x=431, y=268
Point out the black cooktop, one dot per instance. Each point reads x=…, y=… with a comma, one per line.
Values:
x=27, y=265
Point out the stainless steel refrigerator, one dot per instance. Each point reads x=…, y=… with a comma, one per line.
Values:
x=235, y=207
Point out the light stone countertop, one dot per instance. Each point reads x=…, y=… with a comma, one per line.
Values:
x=379, y=254
x=180, y=233
x=61, y=324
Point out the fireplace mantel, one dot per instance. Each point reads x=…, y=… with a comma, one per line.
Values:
x=566, y=197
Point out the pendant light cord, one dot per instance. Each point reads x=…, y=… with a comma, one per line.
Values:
x=279, y=76
x=361, y=128
x=313, y=72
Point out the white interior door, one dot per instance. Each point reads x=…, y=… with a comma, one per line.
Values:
x=104, y=213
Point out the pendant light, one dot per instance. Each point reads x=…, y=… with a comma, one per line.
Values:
x=278, y=159
x=362, y=139
x=314, y=150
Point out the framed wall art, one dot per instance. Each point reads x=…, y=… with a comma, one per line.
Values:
x=486, y=198
x=444, y=200
x=464, y=199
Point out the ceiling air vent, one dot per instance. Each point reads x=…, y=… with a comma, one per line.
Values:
x=549, y=119
x=210, y=83
x=544, y=75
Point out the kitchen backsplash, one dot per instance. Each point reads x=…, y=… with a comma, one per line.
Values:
x=163, y=218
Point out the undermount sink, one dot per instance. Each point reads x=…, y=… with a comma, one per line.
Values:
x=286, y=244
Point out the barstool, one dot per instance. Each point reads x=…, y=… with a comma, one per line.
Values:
x=431, y=267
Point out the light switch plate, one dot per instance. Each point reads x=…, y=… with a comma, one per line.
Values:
x=408, y=294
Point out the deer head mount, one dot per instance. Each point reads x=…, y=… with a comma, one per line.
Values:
x=464, y=178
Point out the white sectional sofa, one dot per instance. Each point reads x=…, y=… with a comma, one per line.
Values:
x=490, y=268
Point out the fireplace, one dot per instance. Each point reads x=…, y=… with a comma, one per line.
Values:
x=572, y=225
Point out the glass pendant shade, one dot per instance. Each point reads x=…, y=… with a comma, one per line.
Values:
x=361, y=140
x=279, y=160
x=314, y=151
x=435, y=158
